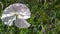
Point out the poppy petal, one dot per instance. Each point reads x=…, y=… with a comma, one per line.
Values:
x=22, y=23
x=8, y=20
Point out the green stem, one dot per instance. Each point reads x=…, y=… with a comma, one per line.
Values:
x=7, y=32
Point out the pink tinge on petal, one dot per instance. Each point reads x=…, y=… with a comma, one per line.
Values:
x=19, y=8
x=21, y=23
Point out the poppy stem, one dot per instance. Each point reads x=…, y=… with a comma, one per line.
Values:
x=16, y=15
x=8, y=30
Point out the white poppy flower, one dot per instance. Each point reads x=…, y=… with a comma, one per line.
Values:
x=18, y=13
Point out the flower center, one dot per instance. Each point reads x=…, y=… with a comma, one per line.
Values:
x=16, y=15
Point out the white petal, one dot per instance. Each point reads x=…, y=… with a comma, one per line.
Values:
x=6, y=15
x=17, y=8
x=23, y=17
x=27, y=13
x=22, y=23
x=8, y=20
x=8, y=10
x=11, y=21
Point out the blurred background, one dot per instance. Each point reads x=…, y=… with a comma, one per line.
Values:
x=45, y=17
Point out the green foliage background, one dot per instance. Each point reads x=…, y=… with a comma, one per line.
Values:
x=45, y=17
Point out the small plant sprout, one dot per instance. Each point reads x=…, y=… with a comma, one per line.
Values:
x=18, y=13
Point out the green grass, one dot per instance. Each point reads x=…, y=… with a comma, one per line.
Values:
x=45, y=17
